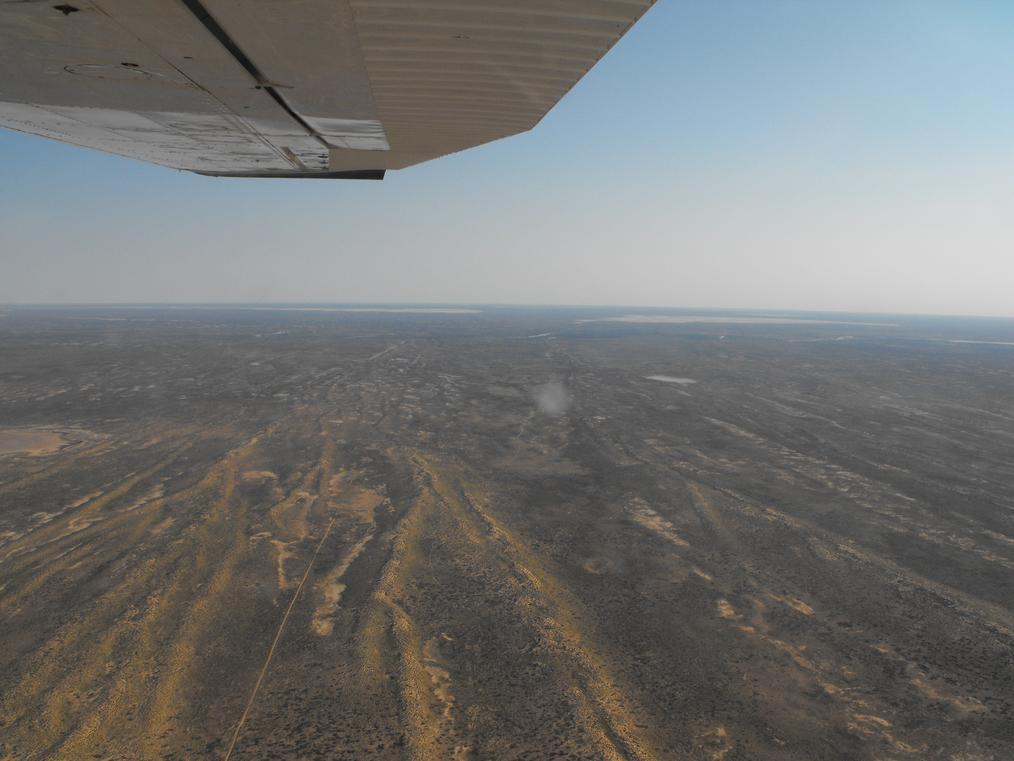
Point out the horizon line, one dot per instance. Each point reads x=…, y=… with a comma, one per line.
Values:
x=475, y=304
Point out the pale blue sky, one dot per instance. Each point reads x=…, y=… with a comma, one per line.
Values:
x=752, y=153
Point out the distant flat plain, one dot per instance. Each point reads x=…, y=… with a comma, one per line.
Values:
x=358, y=532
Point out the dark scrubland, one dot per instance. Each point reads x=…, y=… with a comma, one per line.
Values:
x=254, y=534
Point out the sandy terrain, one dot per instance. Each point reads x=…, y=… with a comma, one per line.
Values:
x=30, y=442
x=290, y=536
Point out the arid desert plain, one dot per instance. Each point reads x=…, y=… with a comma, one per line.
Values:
x=492, y=533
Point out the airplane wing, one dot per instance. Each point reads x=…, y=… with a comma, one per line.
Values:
x=295, y=88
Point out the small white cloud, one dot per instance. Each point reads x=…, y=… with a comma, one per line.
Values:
x=552, y=399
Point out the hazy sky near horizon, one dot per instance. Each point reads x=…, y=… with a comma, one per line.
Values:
x=785, y=154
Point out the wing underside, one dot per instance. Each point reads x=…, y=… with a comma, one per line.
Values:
x=303, y=88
